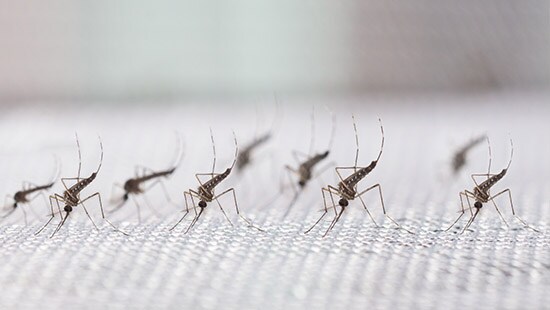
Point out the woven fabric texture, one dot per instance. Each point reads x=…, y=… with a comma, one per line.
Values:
x=219, y=266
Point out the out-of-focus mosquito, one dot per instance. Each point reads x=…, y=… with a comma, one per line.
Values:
x=205, y=191
x=481, y=193
x=27, y=194
x=307, y=163
x=245, y=157
x=136, y=186
x=460, y=155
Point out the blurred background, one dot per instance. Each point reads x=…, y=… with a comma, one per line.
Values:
x=128, y=50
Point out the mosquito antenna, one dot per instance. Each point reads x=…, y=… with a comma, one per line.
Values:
x=57, y=170
x=213, y=150
x=101, y=157
x=278, y=115
x=79, y=156
x=490, y=157
x=511, y=153
x=236, y=150
x=257, y=126
x=312, y=141
x=356, y=142
x=179, y=151
x=333, y=128
x=383, y=138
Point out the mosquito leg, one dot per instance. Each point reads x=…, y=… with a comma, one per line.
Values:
x=88, y=214
x=470, y=221
x=513, y=211
x=232, y=190
x=52, y=215
x=383, y=206
x=25, y=216
x=323, y=190
x=40, y=193
x=194, y=221
x=334, y=221
x=103, y=212
x=499, y=213
x=138, y=208
x=60, y=224
x=462, y=211
x=368, y=212
x=186, y=210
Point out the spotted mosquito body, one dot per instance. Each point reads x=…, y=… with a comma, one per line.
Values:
x=205, y=191
x=346, y=189
x=71, y=196
x=481, y=193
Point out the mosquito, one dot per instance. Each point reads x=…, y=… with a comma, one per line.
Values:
x=28, y=193
x=135, y=186
x=347, y=188
x=459, y=157
x=245, y=156
x=481, y=193
x=205, y=191
x=244, y=159
x=307, y=163
x=71, y=195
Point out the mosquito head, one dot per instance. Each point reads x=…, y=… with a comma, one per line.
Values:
x=68, y=208
x=125, y=197
x=343, y=202
x=302, y=183
x=202, y=204
x=101, y=156
x=511, y=153
x=15, y=205
x=478, y=205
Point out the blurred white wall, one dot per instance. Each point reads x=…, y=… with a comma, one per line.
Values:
x=121, y=49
